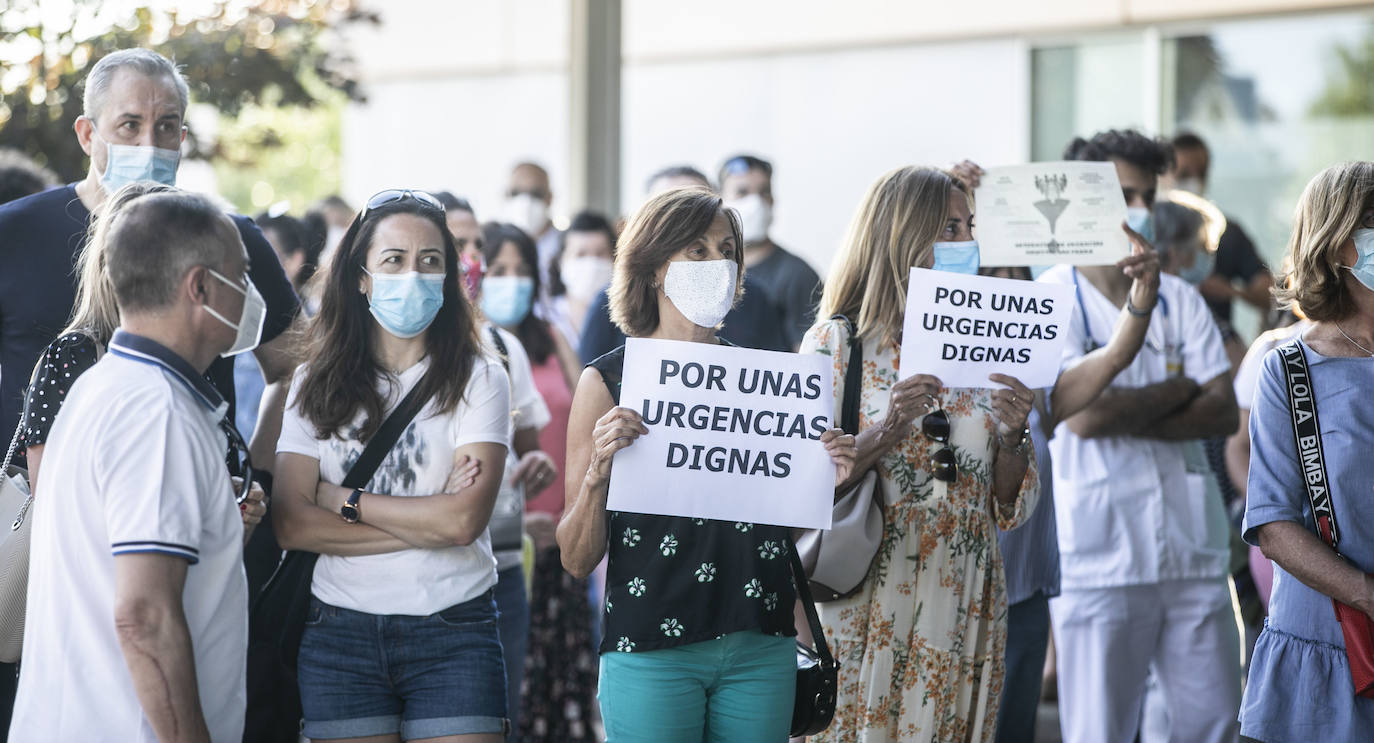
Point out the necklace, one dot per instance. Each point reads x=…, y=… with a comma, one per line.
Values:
x=1352, y=340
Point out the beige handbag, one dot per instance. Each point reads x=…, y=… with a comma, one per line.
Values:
x=836, y=560
x=15, y=501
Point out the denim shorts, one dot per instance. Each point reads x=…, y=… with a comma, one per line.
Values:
x=423, y=677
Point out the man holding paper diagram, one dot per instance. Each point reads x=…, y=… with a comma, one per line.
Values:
x=1144, y=553
x=698, y=615
x=1030, y=553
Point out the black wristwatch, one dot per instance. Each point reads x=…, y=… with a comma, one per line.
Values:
x=349, y=510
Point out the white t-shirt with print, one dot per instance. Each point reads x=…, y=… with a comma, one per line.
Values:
x=413, y=582
x=1133, y=510
x=134, y=464
x=528, y=410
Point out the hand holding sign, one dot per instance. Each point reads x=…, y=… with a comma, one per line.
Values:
x=1011, y=406
x=614, y=431
x=1142, y=265
x=911, y=398
x=840, y=446
x=969, y=172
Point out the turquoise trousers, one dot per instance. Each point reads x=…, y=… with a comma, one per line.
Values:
x=739, y=687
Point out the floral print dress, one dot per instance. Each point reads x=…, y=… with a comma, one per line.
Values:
x=921, y=645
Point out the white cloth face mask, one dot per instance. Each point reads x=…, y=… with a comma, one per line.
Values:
x=702, y=290
x=755, y=217
x=248, y=330
x=585, y=275
x=528, y=213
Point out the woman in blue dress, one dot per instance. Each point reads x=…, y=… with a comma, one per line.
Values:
x=1300, y=685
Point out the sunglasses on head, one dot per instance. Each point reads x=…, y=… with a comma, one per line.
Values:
x=395, y=195
x=943, y=464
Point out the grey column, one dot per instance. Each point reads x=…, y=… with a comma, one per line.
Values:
x=594, y=98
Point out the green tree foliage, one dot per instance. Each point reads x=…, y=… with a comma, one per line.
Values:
x=236, y=55
x=1350, y=83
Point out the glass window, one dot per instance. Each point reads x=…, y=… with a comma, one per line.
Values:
x=1081, y=89
x=1276, y=100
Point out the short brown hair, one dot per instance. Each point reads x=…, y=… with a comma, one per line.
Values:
x=1328, y=214
x=665, y=224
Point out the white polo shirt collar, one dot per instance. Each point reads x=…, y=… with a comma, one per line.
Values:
x=149, y=351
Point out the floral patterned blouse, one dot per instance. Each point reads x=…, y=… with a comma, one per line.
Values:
x=673, y=581
x=921, y=645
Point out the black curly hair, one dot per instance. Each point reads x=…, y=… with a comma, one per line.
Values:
x=1150, y=154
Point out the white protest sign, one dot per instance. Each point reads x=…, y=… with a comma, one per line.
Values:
x=1046, y=213
x=734, y=434
x=962, y=328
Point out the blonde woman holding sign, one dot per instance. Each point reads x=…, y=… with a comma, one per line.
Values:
x=920, y=645
x=698, y=614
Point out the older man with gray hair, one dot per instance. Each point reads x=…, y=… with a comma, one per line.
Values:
x=137, y=620
x=132, y=127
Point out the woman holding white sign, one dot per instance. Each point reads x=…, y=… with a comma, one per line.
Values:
x=920, y=645
x=698, y=617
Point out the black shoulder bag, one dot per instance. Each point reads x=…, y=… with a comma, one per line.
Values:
x=817, y=672
x=276, y=618
x=1356, y=626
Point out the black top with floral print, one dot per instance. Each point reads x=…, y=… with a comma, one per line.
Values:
x=62, y=362
x=673, y=581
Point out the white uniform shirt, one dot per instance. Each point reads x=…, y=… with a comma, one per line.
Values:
x=1134, y=510
x=1248, y=374
x=528, y=410
x=415, y=582
x=134, y=464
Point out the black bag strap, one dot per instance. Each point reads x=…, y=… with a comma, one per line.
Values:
x=1302, y=408
x=813, y=620
x=500, y=343
x=853, y=370
x=386, y=437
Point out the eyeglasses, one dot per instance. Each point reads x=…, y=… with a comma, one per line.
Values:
x=238, y=459
x=394, y=195
x=943, y=464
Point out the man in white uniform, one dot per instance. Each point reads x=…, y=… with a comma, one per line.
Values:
x=1143, y=545
x=137, y=621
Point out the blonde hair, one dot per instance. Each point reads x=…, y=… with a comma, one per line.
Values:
x=897, y=224
x=667, y=223
x=1327, y=215
x=95, y=312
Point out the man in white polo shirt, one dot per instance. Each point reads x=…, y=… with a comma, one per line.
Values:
x=137, y=621
x=1143, y=545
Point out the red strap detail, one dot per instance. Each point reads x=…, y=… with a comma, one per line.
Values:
x=1324, y=526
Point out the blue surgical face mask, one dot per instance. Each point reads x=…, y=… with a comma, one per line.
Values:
x=1364, y=264
x=507, y=299
x=405, y=304
x=957, y=257
x=1138, y=218
x=1202, y=267
x=126, y=164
